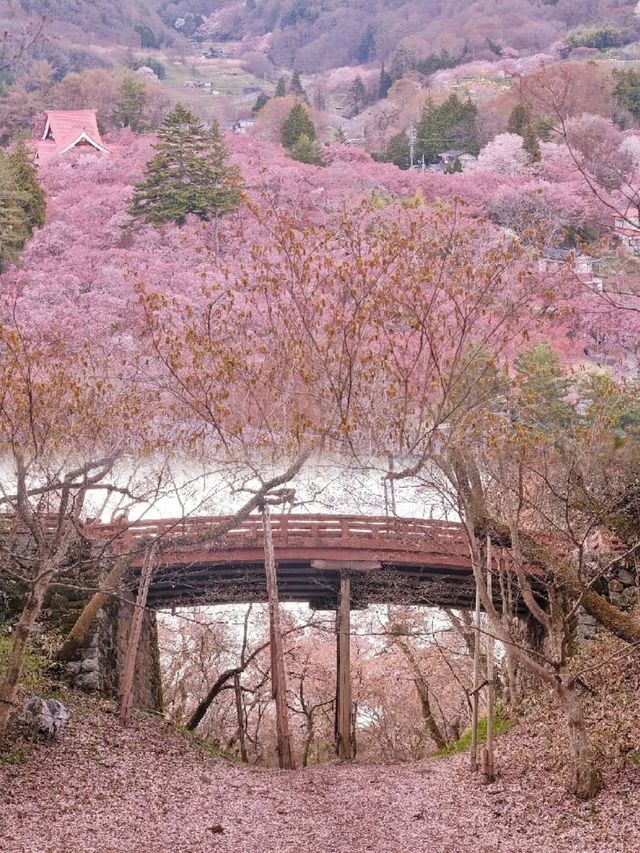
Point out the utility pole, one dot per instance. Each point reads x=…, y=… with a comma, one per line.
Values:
x=412, y=145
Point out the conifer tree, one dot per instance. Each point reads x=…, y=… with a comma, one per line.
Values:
x=22, y=203
x=451, y=124
x=296, y=87
x=519, y=118
x=27, y=186
x=261, y=100
x=530, y=143
x=385, y=82
x=190, y=174
x=298, y=124
x=307, y=151
x=397, y=151
x=281, y=88
x=13, y=220
x=357, y=95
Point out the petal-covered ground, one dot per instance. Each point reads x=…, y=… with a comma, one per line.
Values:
x=150, y=789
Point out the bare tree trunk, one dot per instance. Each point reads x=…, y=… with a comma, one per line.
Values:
x=218, y=686
x=422, y=686
x=586, y=780
x=278, y=675
x=240, y=715
x=473, y=755
x=126, y=700
x=19, y=643
x=79, y=634
x=487, y=754
x=427, y=714
x=308, y=740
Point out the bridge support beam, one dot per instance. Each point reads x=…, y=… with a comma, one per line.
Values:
x=344, y=704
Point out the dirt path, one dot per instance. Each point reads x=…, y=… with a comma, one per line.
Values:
x=150, y=790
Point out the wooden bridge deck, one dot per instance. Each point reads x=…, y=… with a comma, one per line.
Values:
x=399, y=560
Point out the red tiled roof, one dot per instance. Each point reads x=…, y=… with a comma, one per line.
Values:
x=65, y=129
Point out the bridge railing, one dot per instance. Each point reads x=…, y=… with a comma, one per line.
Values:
x=297, y=529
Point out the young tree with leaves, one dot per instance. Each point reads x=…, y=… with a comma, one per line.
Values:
x=66, y=422
x=281, y=88
x=190, y=174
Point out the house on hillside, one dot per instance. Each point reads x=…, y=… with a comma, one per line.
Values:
x=447, y=159
x=627, y=230
x=585, y=267
x=68, y=129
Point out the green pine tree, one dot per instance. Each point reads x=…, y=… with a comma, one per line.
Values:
x=357, y=96
x=519, y=118
x=542, y=390
x=530, y=144
x=281, y=88
x=295, y=87
x=189, y=174
x=627, y=90
x=385, y=82
x=27, y=186
x=261, y=100
x=14, y=228
x=298, y=124
x=397, y=151
x=451, y=124
x=306, y=150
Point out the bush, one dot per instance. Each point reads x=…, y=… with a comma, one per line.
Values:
x=598, y=37
x=33, y=675
x=501, y=724
x=154, y=64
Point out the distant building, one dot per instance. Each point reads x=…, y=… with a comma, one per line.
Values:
x=448, y=158
x=244, y=125
x=587, y=268
x=627, y=229
x=67, y=129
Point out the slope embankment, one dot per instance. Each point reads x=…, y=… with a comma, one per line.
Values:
x=150, y=789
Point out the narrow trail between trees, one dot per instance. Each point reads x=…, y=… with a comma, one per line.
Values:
x=150, y=789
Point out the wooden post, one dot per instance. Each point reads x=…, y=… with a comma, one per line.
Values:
x=344, y=712
x=126, y=696
x=240, y=715
x=476, y=686
x=488, y=768
x=278, y=676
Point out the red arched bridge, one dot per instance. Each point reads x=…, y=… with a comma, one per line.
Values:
x=397, y=560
